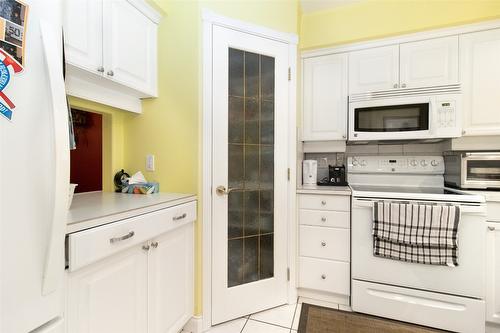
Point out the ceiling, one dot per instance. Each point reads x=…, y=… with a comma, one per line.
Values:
x=309, y=6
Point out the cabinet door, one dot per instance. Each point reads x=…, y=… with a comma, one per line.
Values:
x=171, y=280
x=111, y=295
x=374, y=69
x=130, y=40
x=432, y=62
x=480, y=71
x=83, y=34
x=325, y=98
x=493, y=273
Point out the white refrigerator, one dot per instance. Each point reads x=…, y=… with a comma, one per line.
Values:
x=34, y=179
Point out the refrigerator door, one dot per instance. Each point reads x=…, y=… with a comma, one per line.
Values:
x=34, y=180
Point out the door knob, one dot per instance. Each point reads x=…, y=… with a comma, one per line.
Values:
x=221, y=190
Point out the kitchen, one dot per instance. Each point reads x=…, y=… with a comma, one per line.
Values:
x=219, y=104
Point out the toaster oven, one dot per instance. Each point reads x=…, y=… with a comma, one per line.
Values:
x=472, y=170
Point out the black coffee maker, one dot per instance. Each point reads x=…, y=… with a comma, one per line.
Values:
x=336, y=176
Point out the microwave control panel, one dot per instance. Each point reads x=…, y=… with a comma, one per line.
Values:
x=446, y=114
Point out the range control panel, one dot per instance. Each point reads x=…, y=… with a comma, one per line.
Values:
x=396, y=164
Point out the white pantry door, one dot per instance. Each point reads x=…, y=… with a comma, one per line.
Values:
x=249, y=227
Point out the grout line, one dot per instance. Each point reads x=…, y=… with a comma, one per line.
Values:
x=245, y=324
x=265, y=322
x=294, y=314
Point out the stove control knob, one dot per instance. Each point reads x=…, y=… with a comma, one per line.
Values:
x=434, y=163
x=354, y=162
x=424, y=163
x=362, y=163
x=413, y=163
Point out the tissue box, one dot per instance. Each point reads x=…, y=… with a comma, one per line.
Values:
x=144, y=188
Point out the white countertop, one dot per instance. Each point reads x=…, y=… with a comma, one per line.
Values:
x=488, y=195
x=315, y=189
x=93, y=209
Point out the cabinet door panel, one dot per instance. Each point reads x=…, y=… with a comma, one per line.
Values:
x=111, y=295
x=374, y=69
x=171, y=280
x=428, y=63
x=130, y=47
x=83, y=34
x=480, y=70
x=493, y=273
x=325, y=98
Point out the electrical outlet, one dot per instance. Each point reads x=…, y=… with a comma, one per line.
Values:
x=150, y=162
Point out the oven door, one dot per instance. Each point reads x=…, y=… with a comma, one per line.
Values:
x=467, y=279
x=391, y=119
x=481, y=171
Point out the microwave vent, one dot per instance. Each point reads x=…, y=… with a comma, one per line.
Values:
x=396, y=93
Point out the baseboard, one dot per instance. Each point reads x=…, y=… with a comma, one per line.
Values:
x=194, y=325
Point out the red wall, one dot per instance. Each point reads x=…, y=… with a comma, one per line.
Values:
x=86, y=159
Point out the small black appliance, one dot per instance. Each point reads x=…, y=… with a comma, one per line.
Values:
x=336, y=177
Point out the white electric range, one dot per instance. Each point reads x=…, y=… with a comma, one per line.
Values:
x=450, y=298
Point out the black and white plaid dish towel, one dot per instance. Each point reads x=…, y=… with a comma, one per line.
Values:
x=417, y=233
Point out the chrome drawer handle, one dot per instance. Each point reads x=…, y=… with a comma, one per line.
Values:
x=323, y=276
x=323, y=219
x=122, y=238
x=180, y=217
x=323, y=244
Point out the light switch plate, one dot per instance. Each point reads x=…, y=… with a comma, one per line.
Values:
x=150, y=162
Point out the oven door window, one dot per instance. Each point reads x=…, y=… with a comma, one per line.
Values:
x=478, y=170
x=393, y=118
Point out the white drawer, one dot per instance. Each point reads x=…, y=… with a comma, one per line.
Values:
x=325, y=243
x=493, y=211
x=324, y=275
x=324, y=218
x=325, y=202
x=457, y=314
x=88, y=246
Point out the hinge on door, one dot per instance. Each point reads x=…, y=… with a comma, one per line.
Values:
x=288, y=273
x=288, y=173
x=289, y=73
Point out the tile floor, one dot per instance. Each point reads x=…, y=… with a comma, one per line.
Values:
x=283, y=319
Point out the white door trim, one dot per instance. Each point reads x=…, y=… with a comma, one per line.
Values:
x=209, y=19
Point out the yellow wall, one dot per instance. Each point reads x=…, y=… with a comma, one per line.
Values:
x=381, y=18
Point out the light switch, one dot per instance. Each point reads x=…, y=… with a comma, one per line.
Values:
x=150, y=162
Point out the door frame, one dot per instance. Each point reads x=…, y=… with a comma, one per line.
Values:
x=210, y=19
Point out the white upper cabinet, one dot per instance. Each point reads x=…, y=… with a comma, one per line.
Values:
x=325, y=98
x=130, y=46
x=374, y=69
x=83, y=34
x=427, y=63
x=111, y=49
x=480, y=76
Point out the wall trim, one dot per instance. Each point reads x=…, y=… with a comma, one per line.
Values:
x=404, y=38
x=209, y=19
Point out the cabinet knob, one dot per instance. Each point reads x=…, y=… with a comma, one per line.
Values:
x=490, y=228
x=343, y=136
x=154, y=245
x=323, y=244
x=100, y=69
x=395, y=85
x=403, y=85
x=323, y=219
x=463, y=132
x=145, y=247
x=110, y=73
x=323, y=276
x=323, y=202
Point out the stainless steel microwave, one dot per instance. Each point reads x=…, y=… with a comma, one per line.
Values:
x=472, y=170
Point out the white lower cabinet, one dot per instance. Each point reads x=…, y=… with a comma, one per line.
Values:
x=171, y=280
x=324, y=247
x=146, y=287
x=110, y=296
x=493, y=273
